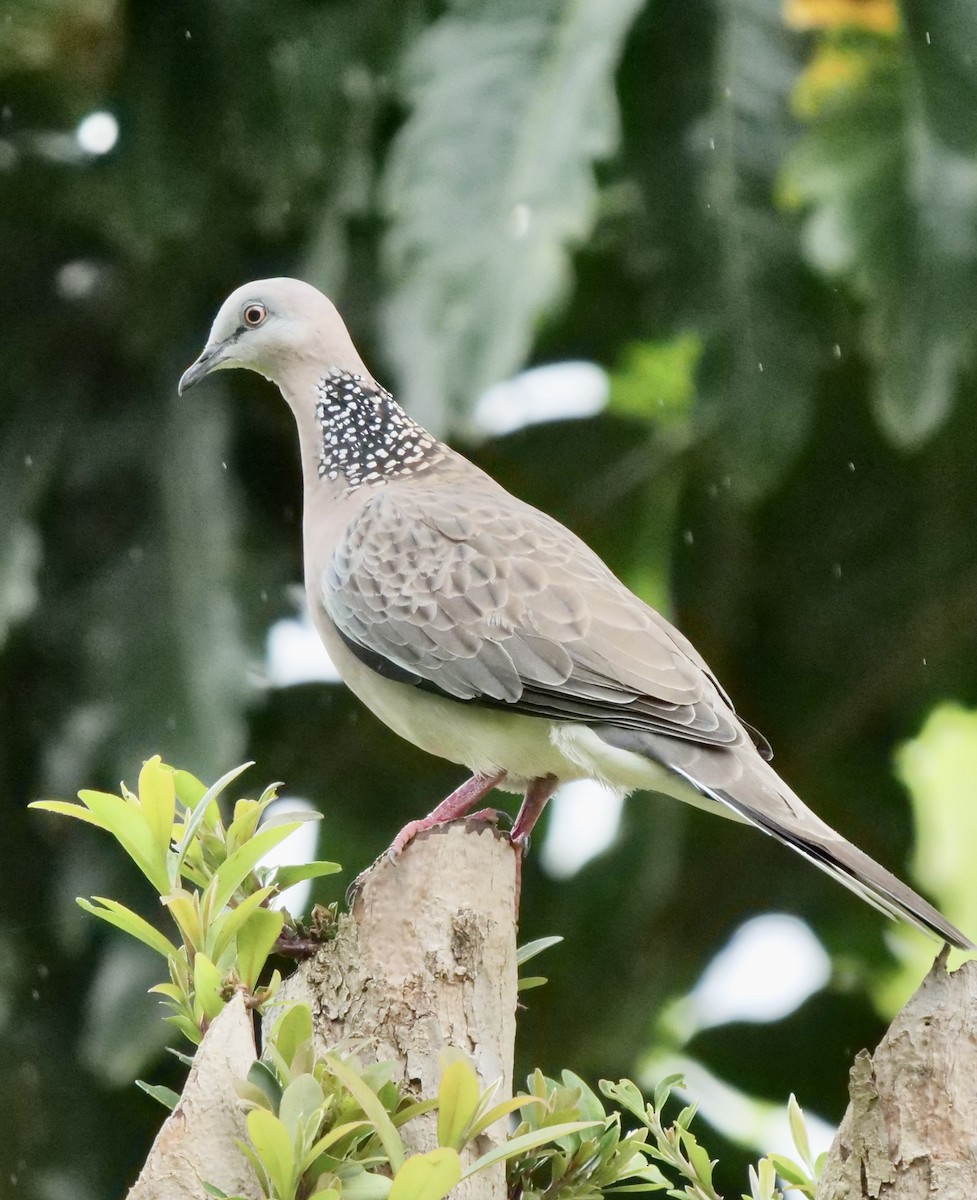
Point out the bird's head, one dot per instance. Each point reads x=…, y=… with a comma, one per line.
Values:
x=276, y=327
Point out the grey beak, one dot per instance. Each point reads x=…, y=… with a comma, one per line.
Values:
x=208, y=360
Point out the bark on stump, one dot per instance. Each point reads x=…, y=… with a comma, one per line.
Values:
x=196, y=1143
x=910, y=1132
x=427, y=959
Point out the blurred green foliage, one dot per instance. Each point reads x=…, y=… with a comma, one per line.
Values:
x=763, y=217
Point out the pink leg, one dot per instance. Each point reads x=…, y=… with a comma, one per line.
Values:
x=538, y=792
x=461, y=801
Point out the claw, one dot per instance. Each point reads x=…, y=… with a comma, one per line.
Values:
x=457, y=805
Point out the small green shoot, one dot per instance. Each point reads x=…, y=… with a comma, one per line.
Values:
x=207, y=876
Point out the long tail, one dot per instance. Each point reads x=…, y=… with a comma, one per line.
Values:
x=859, y=873
x=748, y=787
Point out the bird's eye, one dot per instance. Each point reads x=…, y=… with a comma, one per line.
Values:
x=254, y=314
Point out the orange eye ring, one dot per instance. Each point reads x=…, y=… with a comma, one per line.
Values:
x=253, y=314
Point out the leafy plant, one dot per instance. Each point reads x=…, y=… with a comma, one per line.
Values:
x=208, y=877
x=581, y=1166
x=329, y=1124
x=678, y=1149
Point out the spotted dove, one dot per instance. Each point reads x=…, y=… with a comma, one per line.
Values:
x=484, y=631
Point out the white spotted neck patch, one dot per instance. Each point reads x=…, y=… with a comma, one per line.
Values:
x=367, y=437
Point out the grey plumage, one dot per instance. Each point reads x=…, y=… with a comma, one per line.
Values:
x=485, y=631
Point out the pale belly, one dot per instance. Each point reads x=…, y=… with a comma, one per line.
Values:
x=488, y=740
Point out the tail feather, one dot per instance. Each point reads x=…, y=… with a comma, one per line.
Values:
x=857, y=872
x=739, y=780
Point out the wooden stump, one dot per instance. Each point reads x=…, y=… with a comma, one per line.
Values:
x=910, y=1132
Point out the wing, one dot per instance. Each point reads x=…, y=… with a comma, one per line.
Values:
x=484, y=599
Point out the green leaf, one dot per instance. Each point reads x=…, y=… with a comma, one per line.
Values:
x=166, y=1096
x=428, y=1176
x=417, y=1109
x=798, y=1130
x=292, y=1028
x=531, y=981
x=157, y=800
x=129, y=827
x=629, y=1097
x=663, y=1090
x=231, y=873
x=527, y=1141
x=273, y=1147
x=766, y=1179
x=189, y=790
x=247, y=814
x=267, y=1082
x=330, y=1139
x=699, y=1158
x=183, y=908
x=207, y=986
x=301, y=1100
x=223, y=929
x=498, y=1111
x=129, y=922
x=200, y=812
x=285, y=877
x=686, y=1116
x=257, y=1166
x=189, y=1030
x=475, y=264
x=171, y=990
x=588, y=1105
x=531, y=949
x=458, y=1097
x=365, y=1185
x=372, y=1108
x=302, y=815
x=255, y=941
x=66, y=809
x=789, y=1171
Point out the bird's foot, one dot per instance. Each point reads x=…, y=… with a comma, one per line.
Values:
x=406, y=836
x=537, y=794
x=461, y=801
